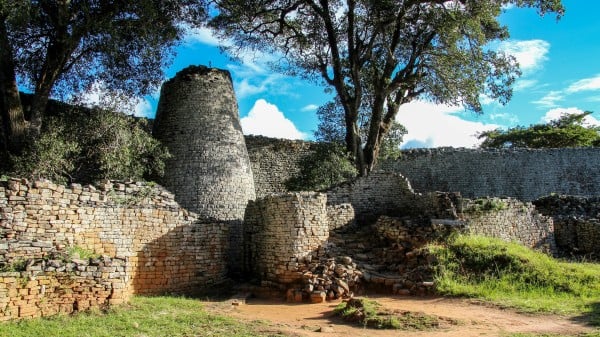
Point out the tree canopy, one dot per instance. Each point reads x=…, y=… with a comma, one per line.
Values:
x=567, y=131
x=380, y=54
x=331, y=129
x=61, y=48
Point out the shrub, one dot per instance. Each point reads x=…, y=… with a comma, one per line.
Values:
x=88, y=145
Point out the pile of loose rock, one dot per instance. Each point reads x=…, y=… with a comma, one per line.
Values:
x=328, y=279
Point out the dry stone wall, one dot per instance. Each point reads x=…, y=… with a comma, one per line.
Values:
x=524, y=174
x=197, y=120
x=60, y=286
x=576, y=223
x=282, y=231
x=510, y=220
x=164, y=247
x=275, y=161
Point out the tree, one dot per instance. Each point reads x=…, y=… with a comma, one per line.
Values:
x=331, y=129
x=381, y=54
x=567, y=131
x=64, y=47
x=87, y=145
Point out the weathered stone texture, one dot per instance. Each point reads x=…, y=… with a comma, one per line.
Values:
x=197, y=119
x=281, y=231
x=275, y=161
x=525, y=174
x=576, y=223
x=164, y=247
x=54, y=286
x=510, y=220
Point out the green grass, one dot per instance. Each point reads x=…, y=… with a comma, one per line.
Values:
x=369, y=313
x=143, y=317
x=512, y=275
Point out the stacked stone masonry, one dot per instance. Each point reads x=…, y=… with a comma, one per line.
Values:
x=197, y=119
x=54, y=286
x=164, y=247
x=510, y=220
x=275, y=161
x=524, y=174
x=576, y=223
x=282, y=231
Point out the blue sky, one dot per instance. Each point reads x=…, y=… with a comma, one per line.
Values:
x=560, y=61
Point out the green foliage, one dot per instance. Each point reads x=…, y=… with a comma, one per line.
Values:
x=16, y=266
x=379, y=55
x=567, y=131
x=328, y=165
x=331, y=129
x=485, y=205
x=77, y=252
x=370, y=313
x=513, y=275
x=150, y=317
x=82, y=145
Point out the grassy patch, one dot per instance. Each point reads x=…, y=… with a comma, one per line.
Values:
x=512, y=275
x=147, y=317
x=369, y=313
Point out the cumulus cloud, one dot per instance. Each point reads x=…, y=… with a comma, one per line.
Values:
x=433, y=125
x=586, y=84
x=267, y=120
x=555, y=114
x=530, y=54
x=550, y=100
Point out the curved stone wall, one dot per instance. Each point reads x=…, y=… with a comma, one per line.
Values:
x=197, y=119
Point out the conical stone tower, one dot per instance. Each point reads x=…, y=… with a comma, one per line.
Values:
x=209, y=172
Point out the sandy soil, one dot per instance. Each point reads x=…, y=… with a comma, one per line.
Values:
x=474, y=319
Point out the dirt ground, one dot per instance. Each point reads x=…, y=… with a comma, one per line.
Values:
x=473, y=319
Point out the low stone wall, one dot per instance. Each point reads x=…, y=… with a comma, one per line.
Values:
x=53, y=286
x=576, y=223
x=282, y=231
x=510, y=220
x=339, y=216
x=388, y=193
x=165, y=248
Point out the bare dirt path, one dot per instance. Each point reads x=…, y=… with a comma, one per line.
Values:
x=474, y=319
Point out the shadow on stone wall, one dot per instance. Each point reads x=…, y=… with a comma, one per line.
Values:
x=186, y=260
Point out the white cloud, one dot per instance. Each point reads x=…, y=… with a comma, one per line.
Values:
x=509, y=118
x=310, y=107
x=550, y=100
x=267, y=120
x=530, y=54
x=587, y=84
x=143, y=109
x=555, y=114
x=524, y=84
x=202, y=35
x=431, y=125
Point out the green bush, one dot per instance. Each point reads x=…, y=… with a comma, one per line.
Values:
x=328, y=165
x=88, y=145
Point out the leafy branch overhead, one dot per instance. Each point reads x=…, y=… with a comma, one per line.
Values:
x=378, y=55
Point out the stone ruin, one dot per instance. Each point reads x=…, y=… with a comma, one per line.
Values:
x=206, y=226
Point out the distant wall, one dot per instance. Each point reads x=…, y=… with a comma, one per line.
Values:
x=274, y=161
x=525, y=174
x=164, y=248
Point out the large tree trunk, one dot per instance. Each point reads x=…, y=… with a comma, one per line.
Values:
x=13, y=118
